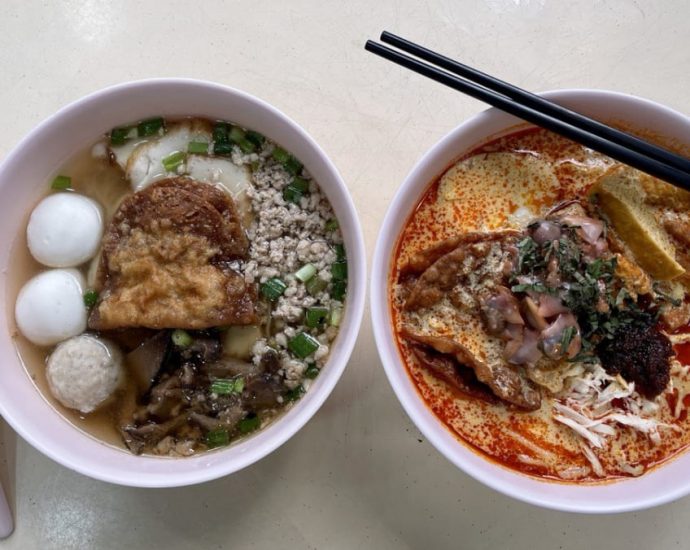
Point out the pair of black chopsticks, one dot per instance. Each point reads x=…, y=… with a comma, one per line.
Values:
x=618, y=145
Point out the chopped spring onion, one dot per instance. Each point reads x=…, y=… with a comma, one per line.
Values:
x=247, y=146
x=181, y=338
x=173, y=160
x=236, y=134
x=60, y=183
x=295, y=394
x=303, y=345
x=197, y=147
x=312, y=371
x=90, y=298
x=332, y=224
x=335, y=316
x=281, y=155
x=315, y=316
x=306, y=272
x=255, y=137
x=220, y=132
x=340, y=252
x=239, y=137
x=149, y=126
x=315, y=285
x=119, y=136
x=223, y=387
x=293, y=166
x=273, y=289
x=292, y=194
x=301, y=184
x=227, y=387
x=339, y=290
x=217, y=438
x=339, y=270
x=249, y=424
x=223, y=149
x=290, y=163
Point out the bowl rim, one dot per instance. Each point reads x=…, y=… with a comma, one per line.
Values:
x=448, y=444
x=304, y=409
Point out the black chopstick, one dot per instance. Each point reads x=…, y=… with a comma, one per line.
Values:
x=539, y=103
x=617, y=151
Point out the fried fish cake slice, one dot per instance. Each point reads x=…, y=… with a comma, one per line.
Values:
x=164, y=261
x=442, y=311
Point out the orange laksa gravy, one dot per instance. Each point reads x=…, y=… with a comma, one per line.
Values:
x=549, y=170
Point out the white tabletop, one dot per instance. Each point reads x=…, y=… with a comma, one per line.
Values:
x=359, y=475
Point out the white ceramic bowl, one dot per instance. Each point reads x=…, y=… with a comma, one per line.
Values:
x=26, y=171
x=662, y=484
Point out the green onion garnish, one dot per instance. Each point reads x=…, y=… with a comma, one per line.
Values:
x=249, y=424
x=236, y=134
x=223, y=149
x=255, y=137
x=315, y=316
x=60, y=183
x=149, y=126
x=239, y=137
x=301, y=184
x=303, y=345
x=227, y=387
x=339, y=290
x=247, y=146
x=335, y=317
x=119, y=136
x=315, y=285
x=90, y=298
x=332, y=224
x=292, y=194
x=281, y=155
x=295, y=394
x=197, y=147
x=340, y=252
x=220, y=132
x=339, y=271
x=293, y=166
x=181, y=338
x=223, y=387
x=306, y=272
x=217, y=438
x=173, y=160
x=312, y=371
x=273, y=289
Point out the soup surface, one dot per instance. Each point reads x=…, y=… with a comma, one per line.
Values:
x=542, y=312
x=213, y=298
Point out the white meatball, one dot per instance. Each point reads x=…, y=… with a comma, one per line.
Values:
x=84, y=372
x=50, y=307
x=65, y=230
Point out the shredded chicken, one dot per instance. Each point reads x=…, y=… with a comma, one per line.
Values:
x=595, y=405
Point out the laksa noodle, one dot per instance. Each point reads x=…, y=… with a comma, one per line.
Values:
x=539, y=301
x=180, y=286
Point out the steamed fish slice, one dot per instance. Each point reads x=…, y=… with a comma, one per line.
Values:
x=499, y=180
x=145, y=164
x=234, y=179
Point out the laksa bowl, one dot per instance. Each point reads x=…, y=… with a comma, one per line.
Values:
x=529, y=302
x=183, y=284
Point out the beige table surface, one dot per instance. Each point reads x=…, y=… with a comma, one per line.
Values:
x=359, y=475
